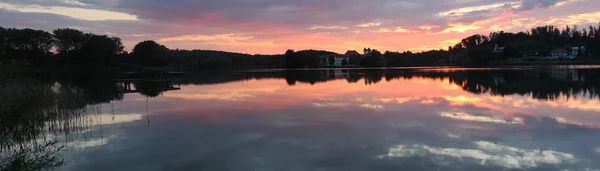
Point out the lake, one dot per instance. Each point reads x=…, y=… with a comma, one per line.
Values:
x=517, y=118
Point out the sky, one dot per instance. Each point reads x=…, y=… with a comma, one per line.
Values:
x=273, y=26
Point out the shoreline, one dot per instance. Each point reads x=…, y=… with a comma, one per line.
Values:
x=183, y=69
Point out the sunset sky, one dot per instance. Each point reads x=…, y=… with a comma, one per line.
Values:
x=273, y=26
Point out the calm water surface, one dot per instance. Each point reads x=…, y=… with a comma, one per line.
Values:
x=327, y=120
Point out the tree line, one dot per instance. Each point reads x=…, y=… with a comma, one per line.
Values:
x=71, y=47
x=61, y=47
x=536, y=42
x=477, y=49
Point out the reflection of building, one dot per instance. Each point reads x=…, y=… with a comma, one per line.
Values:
x=566, y=74
x=333, y=74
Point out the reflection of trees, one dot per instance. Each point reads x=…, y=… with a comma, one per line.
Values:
x=547, y=84
x=152, y=89
x=34, y=105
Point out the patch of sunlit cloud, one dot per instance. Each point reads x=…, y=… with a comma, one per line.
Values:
x=460, y=28
x=316, y=27
x=470, y=117
x=383, y=30
x=330, y=104
x=448, y=42
x=428, y=27
x=384, y=100
x=403, y=30
x=144, y=35
x=428, y=101
x=592, y=17
x=486, y=153
x=231, y=37
x=324, y=33
x=439, y=45
x=228, y=40
x=371, y=106
x=365, y=25
x=73, y=12
x=74, y=2
x=558, y=4
x=465, y=10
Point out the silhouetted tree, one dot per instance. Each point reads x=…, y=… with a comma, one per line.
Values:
x=374, y=59
x=344, y=62
x=355, y=60
x=151, y=53
x=100, y=50
x=331, y=60
x=28, y=44
x=2, y=42
x=67, y=39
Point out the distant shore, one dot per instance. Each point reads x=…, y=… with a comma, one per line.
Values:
x=541, y=63
x=183, y=69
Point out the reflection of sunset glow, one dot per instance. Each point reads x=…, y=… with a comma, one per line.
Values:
x=469, y=117
x=462, y=99
x=372, y=106
x=428, y=101
x=424, y=92
x=330, y=104
x=230, y=96
x=398, y=100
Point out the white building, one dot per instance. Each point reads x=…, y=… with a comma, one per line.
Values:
x=575, y=52
x=337, y=60
x=559, y=53
x=498, y=49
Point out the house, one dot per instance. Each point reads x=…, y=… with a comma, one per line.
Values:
x=498, y=49
x=498, y=52
x=575, y=52
x=559, y=53
x=338, y=60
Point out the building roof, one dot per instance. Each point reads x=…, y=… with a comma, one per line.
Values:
x=559, y=51
x=352, y=53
